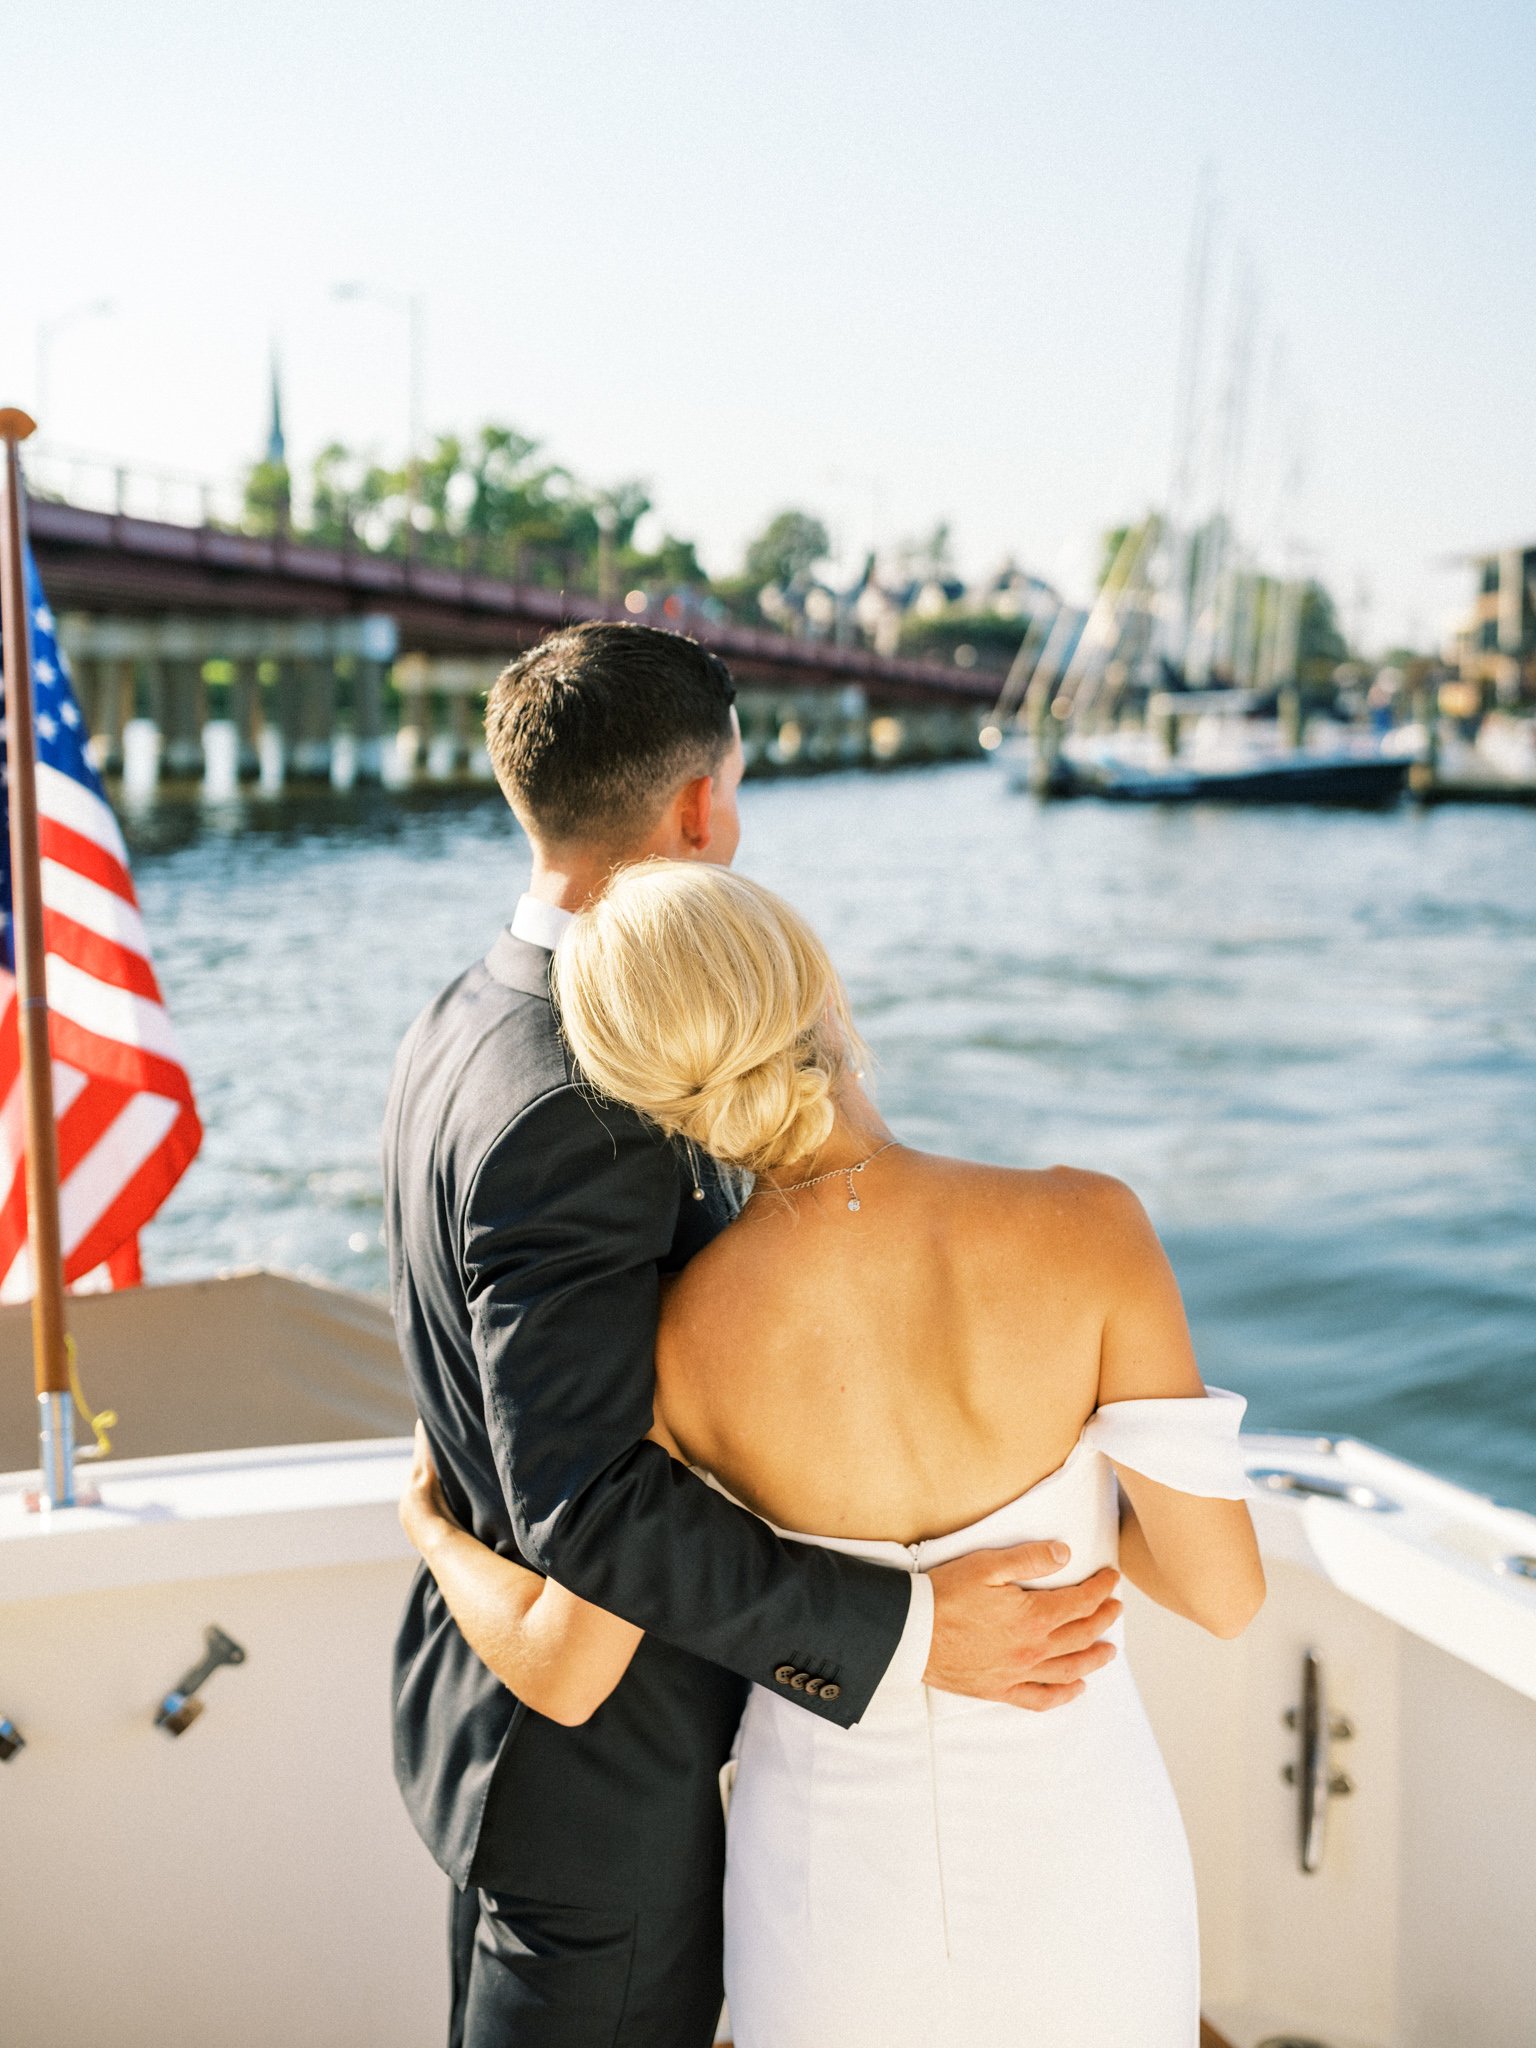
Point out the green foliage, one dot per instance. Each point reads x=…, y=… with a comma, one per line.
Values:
x=1320, y=645
x=995, y=640
x=491, y=503
x=674, y=564
x=268, y=498
x=787, y=550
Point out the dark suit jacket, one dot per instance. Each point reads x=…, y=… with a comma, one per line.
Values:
x=527, y=1227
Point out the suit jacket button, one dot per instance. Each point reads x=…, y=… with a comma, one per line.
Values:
x=785, y=1674
x=813, y=1687
x=798, y=1682
x=831, y=1692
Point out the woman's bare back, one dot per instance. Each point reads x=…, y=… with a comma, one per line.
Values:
x=903, y=1370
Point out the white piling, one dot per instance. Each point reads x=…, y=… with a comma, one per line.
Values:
x=141, y=760
x=343, y=760
x=221, y=760
x=401, y=755
x=272, y=759
x=397, y=766
x=440, y=757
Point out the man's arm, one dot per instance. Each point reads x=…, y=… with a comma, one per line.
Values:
x=563, y=1227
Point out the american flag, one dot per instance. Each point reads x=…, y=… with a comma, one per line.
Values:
x=128, y=1127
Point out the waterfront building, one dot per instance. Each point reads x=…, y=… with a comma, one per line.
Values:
x=1495, y=648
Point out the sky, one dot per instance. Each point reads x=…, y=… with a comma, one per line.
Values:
x=896, y=264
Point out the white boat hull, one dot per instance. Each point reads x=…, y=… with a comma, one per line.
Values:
x=255, y=1879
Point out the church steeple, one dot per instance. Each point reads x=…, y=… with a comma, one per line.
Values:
x=277, y=452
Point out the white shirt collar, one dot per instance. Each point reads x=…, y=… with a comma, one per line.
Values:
x=541, y=924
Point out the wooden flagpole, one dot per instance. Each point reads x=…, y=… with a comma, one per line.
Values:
x=50, y=1344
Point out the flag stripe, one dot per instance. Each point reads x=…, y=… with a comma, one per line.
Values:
x=111, y=1013
x=140, y=1196
x=128, y=1132
x=100, y=958
x=84, y=810
x=126, y=1064
x=72, y=849
x=101, y=910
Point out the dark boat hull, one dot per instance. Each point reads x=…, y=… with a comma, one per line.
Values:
x=1344, y=784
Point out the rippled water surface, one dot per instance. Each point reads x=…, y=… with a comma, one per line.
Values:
x=1308, y=1041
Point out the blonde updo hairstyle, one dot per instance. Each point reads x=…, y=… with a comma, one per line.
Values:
x=705, y=1002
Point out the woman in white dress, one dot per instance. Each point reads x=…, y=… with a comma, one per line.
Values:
x=910, y=1357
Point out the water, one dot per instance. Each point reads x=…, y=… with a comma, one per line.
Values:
x=1309, y=1042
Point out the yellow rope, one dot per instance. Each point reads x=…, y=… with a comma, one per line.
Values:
x=98, y=1423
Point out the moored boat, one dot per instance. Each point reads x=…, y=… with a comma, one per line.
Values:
x=1221, y=755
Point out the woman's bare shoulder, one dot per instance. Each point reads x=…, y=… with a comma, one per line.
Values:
x=1085, y=1216
x=1076, y=1196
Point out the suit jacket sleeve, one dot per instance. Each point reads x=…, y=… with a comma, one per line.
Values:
x=563, y=1227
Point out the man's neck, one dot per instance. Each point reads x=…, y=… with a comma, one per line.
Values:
x=568, y=880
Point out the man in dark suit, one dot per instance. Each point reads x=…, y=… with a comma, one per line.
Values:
x=529, y=1226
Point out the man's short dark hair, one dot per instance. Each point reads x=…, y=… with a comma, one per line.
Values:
x=592, y=731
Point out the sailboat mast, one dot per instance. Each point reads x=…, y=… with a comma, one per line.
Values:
x=50, y=1348
x=1181, y=484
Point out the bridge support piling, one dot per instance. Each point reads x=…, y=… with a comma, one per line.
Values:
x=442, y=747
x=186, y=713
x=343, y=752
x=106, y=689
x=466, y=724
x=368, y=699
x=245, y=713
x=314, y=719
x=286, y=706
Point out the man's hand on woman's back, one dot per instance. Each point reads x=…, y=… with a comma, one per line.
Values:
x=996, y=1638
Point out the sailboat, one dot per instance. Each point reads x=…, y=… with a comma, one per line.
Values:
x=202, y=1841
x=1176, y=625
x=1060, y=736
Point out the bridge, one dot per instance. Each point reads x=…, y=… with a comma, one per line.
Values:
x=211, y=654
x=108, y=563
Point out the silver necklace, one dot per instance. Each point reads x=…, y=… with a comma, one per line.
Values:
x=793, y=1187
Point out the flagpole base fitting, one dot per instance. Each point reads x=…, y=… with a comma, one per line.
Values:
x=36, y=1503
x=56, y=1459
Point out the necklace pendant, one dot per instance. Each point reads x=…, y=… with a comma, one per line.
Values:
x=854, y=1204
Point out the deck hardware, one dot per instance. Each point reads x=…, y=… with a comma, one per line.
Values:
x=1313, y=1774
x=1518, y=1567
x=179, y=1709
x=1281, y=1479
x=11, y=1739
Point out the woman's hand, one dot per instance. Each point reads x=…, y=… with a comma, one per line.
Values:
x=423, y=1511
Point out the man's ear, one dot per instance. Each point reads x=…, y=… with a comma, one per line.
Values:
x=695, y=811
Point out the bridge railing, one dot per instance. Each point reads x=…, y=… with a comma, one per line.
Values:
x=96, y=483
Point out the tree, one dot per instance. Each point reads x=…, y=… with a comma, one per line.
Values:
x=1320, y=646
x=268, y=497
x=787, y=550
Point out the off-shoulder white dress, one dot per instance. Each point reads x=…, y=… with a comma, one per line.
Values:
x=952, y=1874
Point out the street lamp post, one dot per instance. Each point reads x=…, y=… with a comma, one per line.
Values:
x=48, y=331
x=412, y=306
